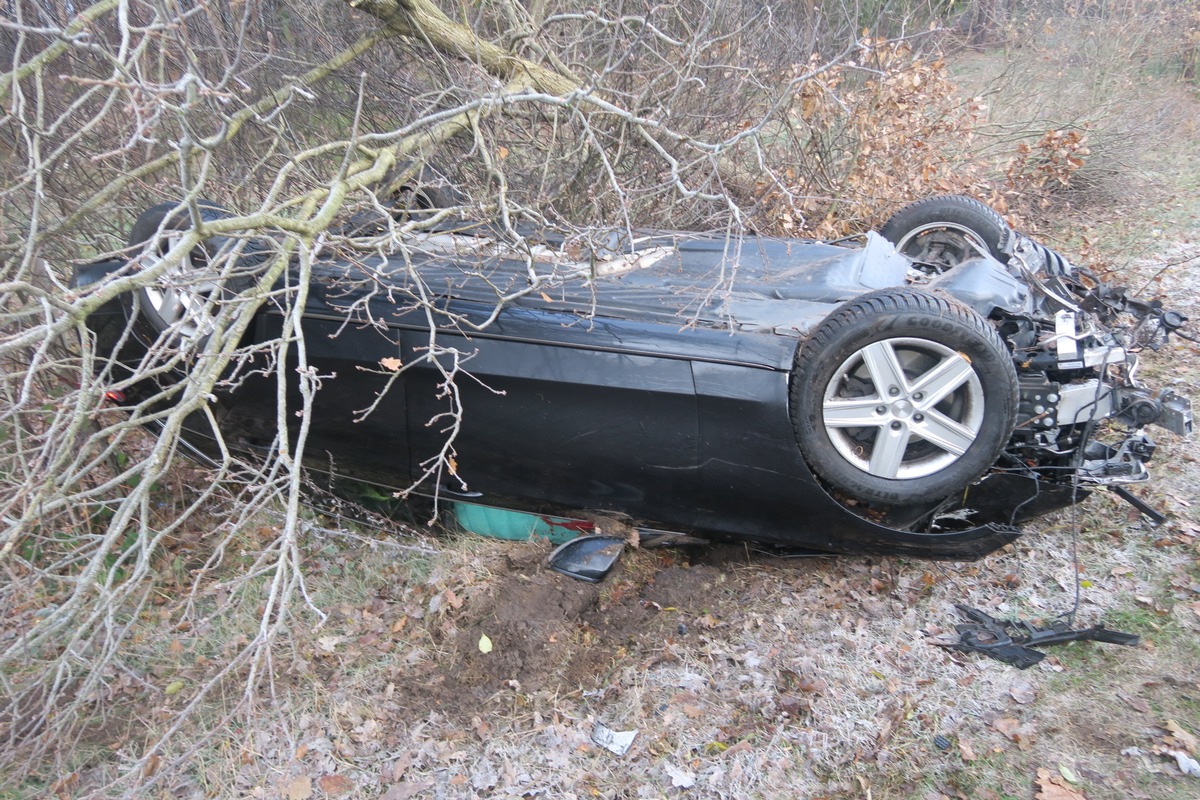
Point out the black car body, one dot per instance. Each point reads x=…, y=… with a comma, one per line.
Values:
x=666, y=380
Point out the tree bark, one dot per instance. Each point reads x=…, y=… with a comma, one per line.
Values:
x=423, y=21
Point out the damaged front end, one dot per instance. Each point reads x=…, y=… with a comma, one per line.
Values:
x=1082, y=413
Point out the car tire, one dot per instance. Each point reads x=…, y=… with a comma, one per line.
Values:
x=423, y=194
x=179, y=303
x=943, y=231
x=945, y=415
x=420, y=196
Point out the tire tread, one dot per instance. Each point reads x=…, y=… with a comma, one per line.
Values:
x=953, y=208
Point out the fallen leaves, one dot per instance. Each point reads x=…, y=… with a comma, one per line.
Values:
x=335, y=785
x=1023, y=692
x=485, y=644
x=1180, y=739
x=1136, y=703
x=300, y=788
x=1015, y=731
x=681, y=778
x=327, y=645
x=1055, y=787
x=405, y=791
x=1068, y=773
x=1179, y=744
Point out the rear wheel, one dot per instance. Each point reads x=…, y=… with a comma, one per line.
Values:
x=945, y=230
x=903, y=397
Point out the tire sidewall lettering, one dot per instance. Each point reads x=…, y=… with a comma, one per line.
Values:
x=931, y=323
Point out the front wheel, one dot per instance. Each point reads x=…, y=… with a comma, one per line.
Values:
x=903, y=397
x=182, y=301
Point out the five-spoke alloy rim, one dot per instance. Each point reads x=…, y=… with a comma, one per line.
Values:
x=181, y=296
x=903, y=408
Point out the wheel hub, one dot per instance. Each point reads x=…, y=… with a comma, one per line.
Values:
x=903, y=408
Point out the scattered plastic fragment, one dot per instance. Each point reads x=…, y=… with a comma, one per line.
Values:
x=681, y=777
x=1187, y=764
x=1011, y=641
x=616, y=742
x=588, y=558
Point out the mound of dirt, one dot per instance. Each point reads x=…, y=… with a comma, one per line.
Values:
x=549, y=632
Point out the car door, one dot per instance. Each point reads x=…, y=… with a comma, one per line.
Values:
x=359, y=425
x=549, y=408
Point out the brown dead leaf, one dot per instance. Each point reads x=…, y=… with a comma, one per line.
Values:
x=328, y=644
x=400, y=767
x=391, y=364
x=1136, y=703
x=406, y=791
x=1183, y=739
x=1053, y=787
x=335, y=785
x=299, y=788
x=1006, y=725
x=815, y=685
x=741, y=747
x=399, y=624
x=1022, y=734
x=65, y=785
x=795, y=707
x=965, y=750
x=482, y=729
x=1023, y=692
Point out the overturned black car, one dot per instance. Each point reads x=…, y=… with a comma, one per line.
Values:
x=919, y=391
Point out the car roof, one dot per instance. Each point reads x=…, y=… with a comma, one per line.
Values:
x=745, y=283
